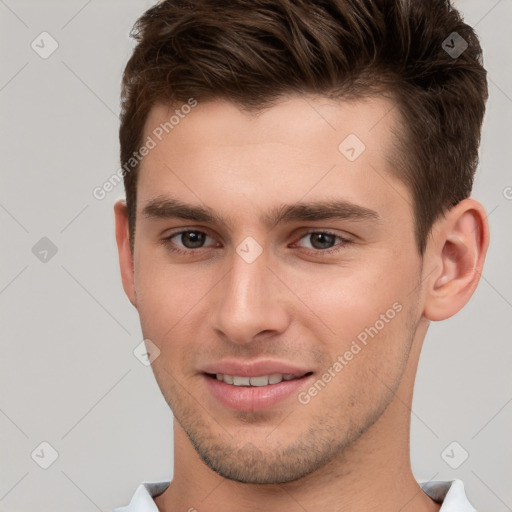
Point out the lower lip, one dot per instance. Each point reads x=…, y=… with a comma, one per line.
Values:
x=253, y=398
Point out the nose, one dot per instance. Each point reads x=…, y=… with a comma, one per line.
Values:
x=250, y=302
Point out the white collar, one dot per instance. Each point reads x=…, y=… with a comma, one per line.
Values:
x=450, y=493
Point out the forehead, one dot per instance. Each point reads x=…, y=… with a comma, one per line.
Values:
x=288, y=121
x=303, y=147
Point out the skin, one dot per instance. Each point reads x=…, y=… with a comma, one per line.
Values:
x=348, y=448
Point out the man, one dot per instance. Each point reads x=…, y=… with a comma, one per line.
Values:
x=298, y=179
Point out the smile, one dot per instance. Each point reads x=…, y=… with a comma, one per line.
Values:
x=263, y=380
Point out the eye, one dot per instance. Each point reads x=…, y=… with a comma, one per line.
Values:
x=188, y=240
x=324, y=241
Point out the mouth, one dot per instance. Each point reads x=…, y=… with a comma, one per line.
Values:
x=260, y=381
x=256, y=393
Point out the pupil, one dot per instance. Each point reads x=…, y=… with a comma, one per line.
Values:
x=323, y=240
x=192, y=239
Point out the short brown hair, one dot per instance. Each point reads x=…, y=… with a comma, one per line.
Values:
x=252, y=52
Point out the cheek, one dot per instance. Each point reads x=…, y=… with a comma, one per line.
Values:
x=165, y=300
x=369, y=346
x=166, y=296
x=353, y=300
x=365, y=305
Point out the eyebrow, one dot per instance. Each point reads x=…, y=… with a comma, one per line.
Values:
x=167, y=208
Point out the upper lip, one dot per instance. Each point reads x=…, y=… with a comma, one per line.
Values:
x=253, y=368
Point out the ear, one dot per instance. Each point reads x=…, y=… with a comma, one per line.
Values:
x=456, y=250
x=124, y=250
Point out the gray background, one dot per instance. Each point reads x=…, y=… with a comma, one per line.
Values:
x=68, y=375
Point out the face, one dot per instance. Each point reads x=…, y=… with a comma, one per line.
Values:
x=270, y=246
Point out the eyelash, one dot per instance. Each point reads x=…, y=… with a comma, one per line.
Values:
x=167, y=241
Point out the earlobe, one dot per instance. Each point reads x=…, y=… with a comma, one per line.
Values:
x=457, y=253
x=124, y=250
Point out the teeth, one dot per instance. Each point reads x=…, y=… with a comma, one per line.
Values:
x=264, y=380
x=275, y=378
x=241, y=381
x=259, y=381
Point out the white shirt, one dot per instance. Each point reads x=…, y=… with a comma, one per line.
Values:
x=451, y=494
